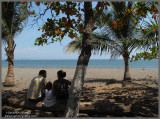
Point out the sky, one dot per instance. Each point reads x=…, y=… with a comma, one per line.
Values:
x=26, y=50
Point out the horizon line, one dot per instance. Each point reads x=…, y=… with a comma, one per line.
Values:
x=60, y=59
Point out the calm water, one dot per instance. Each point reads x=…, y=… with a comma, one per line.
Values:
x=72, y=63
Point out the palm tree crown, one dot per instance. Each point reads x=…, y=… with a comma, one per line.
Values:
x=13, y=19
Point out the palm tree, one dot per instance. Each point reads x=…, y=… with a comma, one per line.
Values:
x=12, y=23
x=120, y=40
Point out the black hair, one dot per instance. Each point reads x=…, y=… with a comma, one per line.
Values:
x=41, y=72
x=49, y=85
x=61, y=74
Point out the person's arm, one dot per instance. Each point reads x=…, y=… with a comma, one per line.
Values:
x=43, y=85
x=69, y=82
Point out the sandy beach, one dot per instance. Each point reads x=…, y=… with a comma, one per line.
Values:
x=23, y=76
x=100, y=97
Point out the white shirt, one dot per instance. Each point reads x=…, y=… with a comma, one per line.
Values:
x=49, y=99
x=49, y=94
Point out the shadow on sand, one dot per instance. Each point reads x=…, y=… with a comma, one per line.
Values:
x=131, y=100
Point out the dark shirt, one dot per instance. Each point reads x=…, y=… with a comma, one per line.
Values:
x=60, y=88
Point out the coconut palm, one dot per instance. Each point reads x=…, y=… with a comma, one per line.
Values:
x=12, y=23
x=117, y=34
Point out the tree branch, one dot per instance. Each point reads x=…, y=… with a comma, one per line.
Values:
x=41, y=14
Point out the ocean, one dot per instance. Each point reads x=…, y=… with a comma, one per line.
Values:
x=106, y=63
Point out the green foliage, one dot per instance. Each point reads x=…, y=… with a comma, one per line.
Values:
x=57, y=28
x=149, y=30
x=152, y=54
x=70, y=23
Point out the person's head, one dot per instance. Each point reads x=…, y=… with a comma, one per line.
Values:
x=49, y=85
x=43, y=73
x=61, y=74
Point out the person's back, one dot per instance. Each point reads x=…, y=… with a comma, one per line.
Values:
x=61, y=89
x=49, y=99
x=61, y=86
x=36, y=87
x=48, y=94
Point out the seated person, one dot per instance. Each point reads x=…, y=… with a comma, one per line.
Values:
x=37, y=86
x=49, y=100
x=61, y=86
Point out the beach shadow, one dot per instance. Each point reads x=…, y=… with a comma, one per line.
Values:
x=87, y=94
x=149, y=108
x=18, y=99
x=132, y=100
x=97, y=80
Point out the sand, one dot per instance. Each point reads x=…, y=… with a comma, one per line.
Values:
x=23, y=76
x=101, y=95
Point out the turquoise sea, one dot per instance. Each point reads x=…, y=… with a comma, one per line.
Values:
x=106, y=63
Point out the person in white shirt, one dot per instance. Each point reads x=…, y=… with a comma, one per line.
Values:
x=49, y=99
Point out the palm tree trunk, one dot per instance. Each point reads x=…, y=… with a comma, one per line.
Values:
x=127, y=75
x=10, y=54
x=72, y=108
x=10, y=75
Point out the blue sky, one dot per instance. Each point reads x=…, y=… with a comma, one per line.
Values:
x=25, y=48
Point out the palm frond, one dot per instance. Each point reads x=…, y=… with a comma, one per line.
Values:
x=5, y=30
x=74, y=46
x=115, y=54
x=13, y=18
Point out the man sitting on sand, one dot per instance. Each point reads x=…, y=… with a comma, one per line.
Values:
x=36, y=89
x=61, y=86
